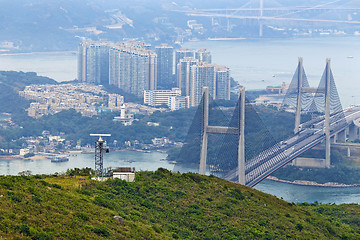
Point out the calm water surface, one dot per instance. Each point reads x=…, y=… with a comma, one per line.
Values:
x=141, y=161
x=58, y=66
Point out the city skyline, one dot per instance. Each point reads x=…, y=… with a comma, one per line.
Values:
x=133, y=67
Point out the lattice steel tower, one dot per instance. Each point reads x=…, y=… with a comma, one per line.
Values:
x=100, y=148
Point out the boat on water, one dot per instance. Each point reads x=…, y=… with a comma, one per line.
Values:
x=59, y=159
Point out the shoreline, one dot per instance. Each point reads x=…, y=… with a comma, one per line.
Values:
x=312, y=183
x=226, y=39
x=38, y=53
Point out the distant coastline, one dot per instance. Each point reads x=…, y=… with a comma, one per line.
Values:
x=314, y=184
x=42, y=53
x=225, y=39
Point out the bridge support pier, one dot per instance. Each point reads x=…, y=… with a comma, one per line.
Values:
x=341, y=136
x=353, y=130
x=348, y=152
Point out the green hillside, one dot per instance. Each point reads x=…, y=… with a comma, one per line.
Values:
x=161, y=205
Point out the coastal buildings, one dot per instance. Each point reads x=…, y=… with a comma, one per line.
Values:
x=194, y=73
x=222, y=82
x=202, y=74
x=203, y=55
x=93, y=62
x=178, y=102
x=180, y=54
x=134, y=68
x=160, y=97
x=165, y=55
x=130, y=66
x=216, y=77
x=51, y=99
x=184, y=74
x=87, y=99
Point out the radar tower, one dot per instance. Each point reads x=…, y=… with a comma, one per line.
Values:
x=100, y=148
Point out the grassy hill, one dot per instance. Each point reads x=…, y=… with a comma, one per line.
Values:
x=161, y=205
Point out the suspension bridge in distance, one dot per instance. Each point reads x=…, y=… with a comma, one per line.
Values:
x=326, y=13
x=331, y=125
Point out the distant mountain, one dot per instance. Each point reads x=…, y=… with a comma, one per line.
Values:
x=53, y=25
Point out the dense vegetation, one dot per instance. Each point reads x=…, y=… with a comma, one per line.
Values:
x=160, y=205
x=77, y=127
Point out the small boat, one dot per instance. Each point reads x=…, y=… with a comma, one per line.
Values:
x=59, y=159
x=350, y=57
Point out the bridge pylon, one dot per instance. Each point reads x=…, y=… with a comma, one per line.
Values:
x=239, y=130
x=327, y=114
x=323, y=99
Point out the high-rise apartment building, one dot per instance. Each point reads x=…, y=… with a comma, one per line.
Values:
x=222, y=82
x=165, y=59
x=216, y=78
x=93, y=62
x=180, y=54
x=203, y=55
x=127, y=65
x=132, y=68
x=202, y=74
x=184, y=74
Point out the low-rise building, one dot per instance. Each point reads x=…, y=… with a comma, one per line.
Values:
x=124, y=173
x=160, y=141
x=171, y=98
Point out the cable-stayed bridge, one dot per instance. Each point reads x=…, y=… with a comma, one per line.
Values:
x=226, y=147
x=267, y=162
